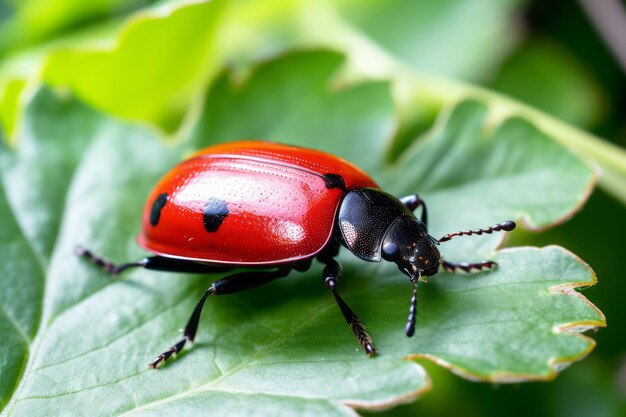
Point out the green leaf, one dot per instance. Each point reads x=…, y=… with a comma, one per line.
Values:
x=283, y=348
x=9, y=106
x=33, y=21
x=381, y=39
x=436, y=37
x=96, y=335
x=292, y=100
x=153, y=68
x=370, y=39
x=546, y=76
x=20, y=305
x=132, y=76
x=517, y=323
x=507, y=326
x=473, y=169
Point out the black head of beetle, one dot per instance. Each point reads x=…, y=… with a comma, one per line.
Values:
x=407, y=243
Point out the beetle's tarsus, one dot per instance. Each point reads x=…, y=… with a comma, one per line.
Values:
x=102, y=263
x=361, y=334
x=109, y=267
x=370, y=350
x=171, y=352
x=160, y=361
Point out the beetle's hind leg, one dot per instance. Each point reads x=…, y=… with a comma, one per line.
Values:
x=107, y=266
x=231, y=284
x=156, y=263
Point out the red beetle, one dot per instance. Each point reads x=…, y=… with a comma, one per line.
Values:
x=275, y=208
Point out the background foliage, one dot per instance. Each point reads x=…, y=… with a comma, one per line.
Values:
x=189, y=71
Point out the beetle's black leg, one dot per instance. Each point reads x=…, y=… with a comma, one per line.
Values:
x=157, y=263
x=332, y=274
x=468, y=268
x=412, y=202
x=233, y=283
x=163, y=263
x=105, y=265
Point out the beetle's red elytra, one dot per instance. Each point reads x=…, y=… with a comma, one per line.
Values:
x=275, y=196
x=275, y=208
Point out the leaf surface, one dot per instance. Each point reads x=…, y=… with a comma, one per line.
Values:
x=157, y=62
x=77, y=337
x=436, y=37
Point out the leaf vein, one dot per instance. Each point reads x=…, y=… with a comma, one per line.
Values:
x=11, y=320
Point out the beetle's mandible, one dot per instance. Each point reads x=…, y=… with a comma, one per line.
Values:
x=275, y=208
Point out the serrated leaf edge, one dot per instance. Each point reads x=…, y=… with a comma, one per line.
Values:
x=573, y=328
x=393, y=401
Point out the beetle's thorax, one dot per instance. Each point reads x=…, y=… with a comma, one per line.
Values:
x=363, y=218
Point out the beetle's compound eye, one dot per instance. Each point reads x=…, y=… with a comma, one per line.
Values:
x=391, y=252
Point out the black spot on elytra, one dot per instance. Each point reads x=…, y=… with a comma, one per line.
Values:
x=335, y=181
x=214, y=213
x=157, y=206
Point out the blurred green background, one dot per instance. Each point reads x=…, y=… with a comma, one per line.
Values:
x=548, y=55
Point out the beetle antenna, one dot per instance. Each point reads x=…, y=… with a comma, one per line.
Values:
x=410, y=326
x=506, y=226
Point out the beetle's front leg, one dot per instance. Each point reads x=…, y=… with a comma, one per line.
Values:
x=412, y=202
x=332, y=275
